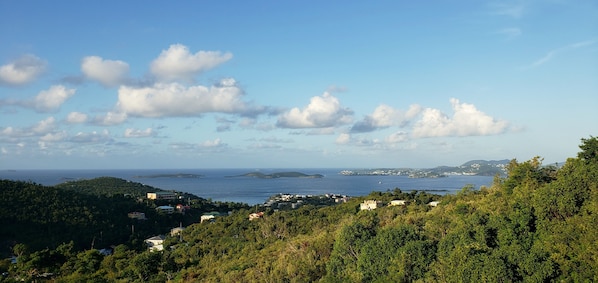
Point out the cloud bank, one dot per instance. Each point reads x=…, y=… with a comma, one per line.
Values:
x=174, y=93
x=177, y=100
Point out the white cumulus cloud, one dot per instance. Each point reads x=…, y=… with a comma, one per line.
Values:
x=176, y=100
x=385, y=116
x=321, y=112
x=22, y=71
x=137, y=133
x=76, y=118
x=178, y=63
x=45, y=126
x=51, y=99
x=111, y=118
x=212, y=143
x=343, y=138
x=106, y=72
x=397, y=137
x=54, y=137
x=92, y=137
x=467, y=120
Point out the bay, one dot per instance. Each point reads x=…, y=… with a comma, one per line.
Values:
x=216, y=184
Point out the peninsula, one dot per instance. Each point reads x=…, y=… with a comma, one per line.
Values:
x=176, y=175
x=279, y=175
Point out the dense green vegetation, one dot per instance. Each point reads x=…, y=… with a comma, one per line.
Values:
x=538, y=224
x=90, y=213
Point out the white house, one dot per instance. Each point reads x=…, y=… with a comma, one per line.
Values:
x=155, y=243
x=370, y=204
x=210, y=216
x=165, y=209
x=206, y=217
x=398, y=202
x=433, y=203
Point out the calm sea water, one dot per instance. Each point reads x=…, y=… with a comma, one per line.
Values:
x=215, y=185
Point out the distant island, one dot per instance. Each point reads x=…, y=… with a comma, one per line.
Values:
x=278, y=175
x=177, y=175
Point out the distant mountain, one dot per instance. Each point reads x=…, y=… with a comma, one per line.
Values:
x=473, y=167
x=486, y=162
x=485, y=167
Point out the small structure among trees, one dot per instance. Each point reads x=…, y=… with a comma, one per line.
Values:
x=155, y=243
x=256, y=215
x=370, y=205
x=161, y=195
x=398, y=202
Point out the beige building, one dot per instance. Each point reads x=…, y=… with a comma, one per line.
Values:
x=165, y=209
x=370, y=204
x=161, y=195
x=398, y=202
x=155, y=243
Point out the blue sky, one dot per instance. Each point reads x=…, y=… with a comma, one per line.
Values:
x=262, y=84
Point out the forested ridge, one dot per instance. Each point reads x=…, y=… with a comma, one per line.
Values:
x=538, y=224
x=87, y=212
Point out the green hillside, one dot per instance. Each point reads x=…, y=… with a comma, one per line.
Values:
x=538, y=224
x=90, y=213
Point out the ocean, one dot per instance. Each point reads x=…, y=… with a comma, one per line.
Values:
x=215, y=184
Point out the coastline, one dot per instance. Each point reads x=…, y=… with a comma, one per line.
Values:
x=214, y=185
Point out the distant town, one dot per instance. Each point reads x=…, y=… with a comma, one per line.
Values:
x=471, y=168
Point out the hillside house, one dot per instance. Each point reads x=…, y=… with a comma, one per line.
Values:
x=433, y=203
x=165, y=209
x=398, y=202
x=370, y=204
x=155, y=243
x=207, y=217
x=161, y=195
x=210, y=216
x=176, y=231
x=342, y=199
